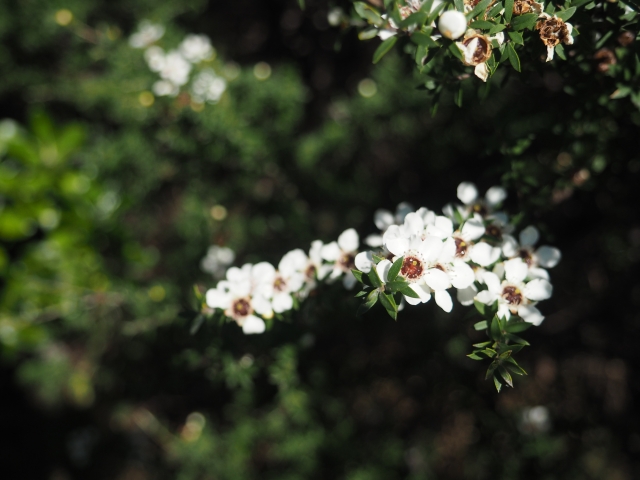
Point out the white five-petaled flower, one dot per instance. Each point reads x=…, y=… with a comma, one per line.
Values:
x=147, y=34
x=384, y=219
x=544, y=256
x=217, y=260
x=513, y=295
x=343, y=254
x=208, y=87
x=196, y=48
x=468, y=194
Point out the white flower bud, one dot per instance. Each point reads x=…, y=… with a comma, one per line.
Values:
x=452, y=24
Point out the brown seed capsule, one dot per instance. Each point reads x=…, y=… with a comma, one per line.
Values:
x=626, y=38
x=553, y=31
x=520, y=7
x=605, y=58
x=480, y=53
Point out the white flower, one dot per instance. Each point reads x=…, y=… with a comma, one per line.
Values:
x=544, y=256
x=196, y=48
x=343, y=254
x=208, y=87
x=155, y=58
x=384, y=219
x=175, y=68
x=147, y=34
x=234, y=296
x=452, y=24
x=468, y=195
x=164, y=88
x=217, y=260
x=513, y=295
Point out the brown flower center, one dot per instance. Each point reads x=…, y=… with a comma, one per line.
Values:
x=241, y=307
x=347, y=261
x=553, y=31
x=411, y=268
x=461, y=247
x=512, y=295
x=480, y=208
x=311, y=271
x=526, y=255
x=482, y=50
x=494, y=231
x=279, y=285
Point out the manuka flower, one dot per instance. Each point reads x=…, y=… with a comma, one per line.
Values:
x=520, y=7
x=544, y=256
x=452, y=24
x=476, y=50
x=343, y=254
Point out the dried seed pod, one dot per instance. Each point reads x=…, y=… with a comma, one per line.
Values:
x=553, y=31
x=520, y=7
x=477, y=49
x=605, y=58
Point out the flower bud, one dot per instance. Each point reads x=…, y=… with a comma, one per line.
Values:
x=452, y=24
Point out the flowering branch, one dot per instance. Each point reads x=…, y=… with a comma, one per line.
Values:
x=418, y=255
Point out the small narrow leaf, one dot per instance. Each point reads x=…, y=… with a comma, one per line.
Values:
x=479, y=8
x=389, y=305
x=482, y=24
x=481, y=345
x=483, y=325
x=361, y=293
x=480, y=307
x=495, y=330
x=358, y=274
x=409, y=292
x=508, y=10
x=197, y=323
x=517, y=326
x=497, y=28
x=528, y=20
x=374, y=278
x=513, y=57
x=497, y=383
x=383, y=48
x=566, y=14
x=370, y=301
x=473, y=356
x=516, y=37
x=560, y=52
x=424, y=39
x=506, y=376
x=395, y=269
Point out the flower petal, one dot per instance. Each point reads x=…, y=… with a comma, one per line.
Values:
x=430, y=248
x=548, y=257
x=461, y=275
x=509, y=246
x=495, y=196
x=484, y=254
x=383, y=219
x=538, y=289
x=253, y=325
x=529, y=236
x=348, y=240
x=486, y=297
x=349, y=281
x=492, y=282
x=466, y=295
x=330, y=252
x=374, y=240
x=515, y=270
x=443, y=299
x=530, y=314
x=413, y=224
x=437, y=279
x=218, y=299
x=364, y=261
x=398, y=245
x=481, y=71
x=473, y=229
x=383, y=270
x=467, y=192
x=261, y=305
x=282, y=302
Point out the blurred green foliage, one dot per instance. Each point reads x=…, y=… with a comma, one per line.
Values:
x=108, y=202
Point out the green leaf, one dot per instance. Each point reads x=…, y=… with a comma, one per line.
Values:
x=566, y=14
x=479, y=8
x=301, y=4
x=496, y=329
x=513, y=57
x=506, y=376
x=497, y=28
x=197, y=323
x=516, y=37
x=395, y=286
x=517, y=340
x=383, y=48
x=435, y=13
x=483, y=325
x=514, y=367
x=579, y=3
x=361, y=293
x=517, y=326
x=550, y=8
x=560, y=51
x=482, y=24
x=455, y=51
x=368, y=34
x=457, y=96
x=395, y=269
x=368, y=13
x=497, y=384
x=495, y=10
x=409, y=292
x=374, y=278
x=481, y=345
x=359, y=275
x=480, y=307
x=424, y=39
x=377, y=258
x=418, y=18
x=600, y=43
x=459, y=4
x=528, y=20
x=473, y=356
x=508, y=10
x=389, y=305
x=369, y=302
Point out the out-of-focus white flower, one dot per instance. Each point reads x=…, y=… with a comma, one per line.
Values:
x=335, y=16
x=196, y=48
x=164, y=88
x=217, y=260
x=343, y=254
x=452, y=24
x=147, y=34
x=208, y=87
x=544, y=256
x=473, y=204
x=513, y=295
x=384, y=219
x=155, y=58
x=535, y=420
x=175, y=68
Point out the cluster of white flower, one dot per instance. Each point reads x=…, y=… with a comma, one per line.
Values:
x=470, y=247
x=175, y=66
